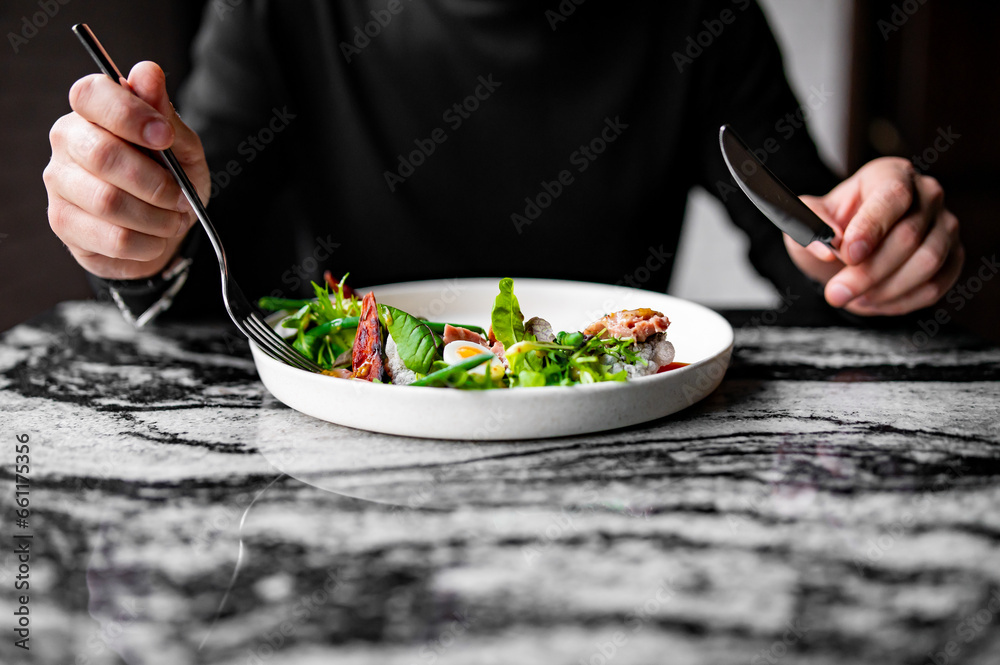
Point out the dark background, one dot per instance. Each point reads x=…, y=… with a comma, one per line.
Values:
x=36, y=271
x=937, y=71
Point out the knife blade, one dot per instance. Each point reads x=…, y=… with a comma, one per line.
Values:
x=778, y=203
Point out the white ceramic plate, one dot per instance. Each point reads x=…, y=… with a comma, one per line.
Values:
x=700, y=336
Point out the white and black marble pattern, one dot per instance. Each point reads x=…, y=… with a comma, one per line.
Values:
x=836, y=501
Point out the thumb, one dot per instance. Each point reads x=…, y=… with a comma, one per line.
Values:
x=148, y=81
x=821, y=206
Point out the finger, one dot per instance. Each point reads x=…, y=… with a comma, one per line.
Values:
x=112, y=160
x=903, y=241
x=818, y=249
x=89, y=234
x=103, y=102
x=108, y=268
x=922, y=296
x=109, y=202
x=880, y=209
x=817, y=269
x=148, y=81
x=925, y=262
x=822, y=252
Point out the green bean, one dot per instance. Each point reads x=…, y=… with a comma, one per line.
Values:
x=443, y=375
x=439, y=327
x=276, y=304
x=305, y=342
x=333, y=326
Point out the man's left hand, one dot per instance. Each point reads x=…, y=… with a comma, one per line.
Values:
x=900, y=244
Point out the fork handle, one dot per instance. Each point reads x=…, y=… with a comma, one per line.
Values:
x=167, y=157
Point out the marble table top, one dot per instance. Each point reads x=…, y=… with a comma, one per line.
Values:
x=836, y=500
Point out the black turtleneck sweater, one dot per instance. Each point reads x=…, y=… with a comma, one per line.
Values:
x=415, y=139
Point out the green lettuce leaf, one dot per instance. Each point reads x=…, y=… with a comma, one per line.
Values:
x=324, y=307
x=414, y=340
x=506, y=318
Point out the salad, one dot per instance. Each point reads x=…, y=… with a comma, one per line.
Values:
x=361, y=339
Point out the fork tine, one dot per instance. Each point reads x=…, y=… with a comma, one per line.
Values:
x=272, y=333
x=286, y=350
x=275, y=351
x=268, y=344
x=253, y=336
x=265, y=337
x=268, y=352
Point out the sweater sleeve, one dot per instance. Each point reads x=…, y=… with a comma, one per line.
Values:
x=743, y=84
x=237, y=103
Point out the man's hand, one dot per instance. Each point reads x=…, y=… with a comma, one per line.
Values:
x=901, y=245
x=119, y=212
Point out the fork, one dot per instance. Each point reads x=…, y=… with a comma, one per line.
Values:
x=243, y=314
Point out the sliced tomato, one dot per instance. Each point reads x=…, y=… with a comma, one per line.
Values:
x=366, y=356
x=667, y=368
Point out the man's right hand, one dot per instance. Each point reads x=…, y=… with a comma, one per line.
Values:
x=120, y=213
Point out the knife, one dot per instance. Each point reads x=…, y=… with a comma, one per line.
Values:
x=778, y=203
